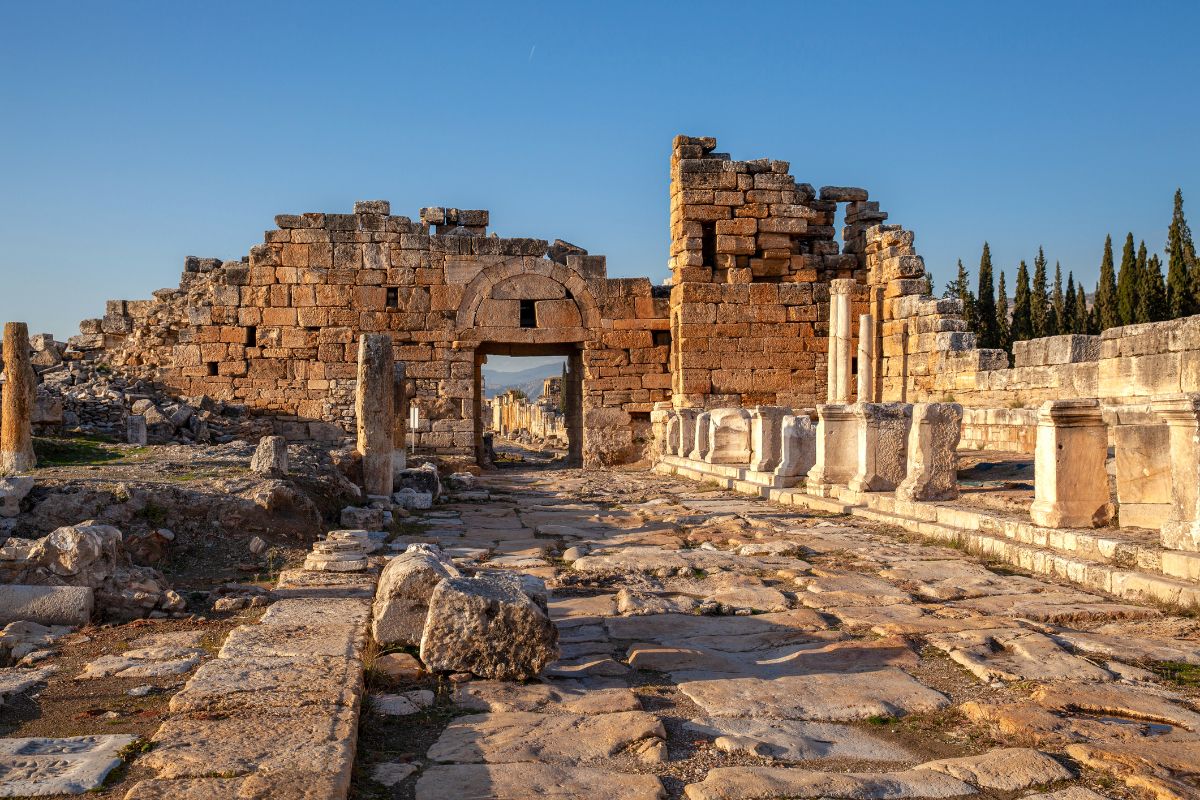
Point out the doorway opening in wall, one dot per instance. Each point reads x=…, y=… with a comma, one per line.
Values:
x=529, y=404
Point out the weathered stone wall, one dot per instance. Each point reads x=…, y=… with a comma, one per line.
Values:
x=752, y=254
x=277, y=331
x=1010, y=430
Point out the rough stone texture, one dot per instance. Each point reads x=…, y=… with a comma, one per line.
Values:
x=270, y=457
x=493, y=625
x=798, y=446
x=787, y=740
x=1070, y=482
x=765, y=783
x=766, y=436
x=16, y=402
x=729, y=436
x=932, y=453
x=46, y=605
x=522, y=737
x=882, y=439
x=13, y=490
x=73, y=765
x=375, y=412
x=402, y=597
x=1008, y=770
x=533, y=782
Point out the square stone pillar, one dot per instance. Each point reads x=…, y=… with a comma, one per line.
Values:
x=1070, y=481
x=841, y=292
x=932, y=453
x=728, y=436
x=798, y=448
x=701, y=444
x=866, y=358
x=766, y=436
x=882, y=446
x=670, y=436
x=831, y=359
x=373, y=398
x=1181, y=531
x=687, y=431
x=836, y=449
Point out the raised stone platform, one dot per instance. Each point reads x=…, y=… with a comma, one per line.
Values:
x=1094, y=558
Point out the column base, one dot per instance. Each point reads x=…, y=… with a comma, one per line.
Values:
x=1049, y=514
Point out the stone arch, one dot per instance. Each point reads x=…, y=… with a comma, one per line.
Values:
x=480, y=289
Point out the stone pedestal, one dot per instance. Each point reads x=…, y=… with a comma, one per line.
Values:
x=729, y=436
x=882, y=446
x=374, y=411
x=670, y=440
x=701, y=444
x=766, y=436
x=1070, y=482
x=1181, y=531
x=16, y=404
x=932, y=453
x=836, y=449
x=687, y=431
x=866, y=358
x=798, y=447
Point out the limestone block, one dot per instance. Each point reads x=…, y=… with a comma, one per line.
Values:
x=1181, y=530
x=682, y=446
x=1070, y=481
x=1143, y=471
x=529, y=287
x=12, y=491
x=766, y=436
x=557, y=314
x=836, y=448
x=46, y=605
x=72, y=765
x=882, y=452
x=499, y=314
x=402, y=598
x=798, y=446
x=729, y=436
x=701, y=444
x=670, y=434
x=932, y=453
x=270, y=457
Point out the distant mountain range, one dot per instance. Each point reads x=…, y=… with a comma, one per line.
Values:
x=527, y=380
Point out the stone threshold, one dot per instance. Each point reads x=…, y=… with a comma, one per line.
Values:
x=1091, y=559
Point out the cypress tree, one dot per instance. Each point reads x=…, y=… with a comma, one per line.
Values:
x=1128, y=281
x=1022, y=321
x=1003, y=328
x=1152, y=302
x=1104, y=306
x=1083, y=319
x=960, y=287
x=1039, y=299
x=1182, y=282
x=1141, y=306
x=985, y=303
x=1058, y=312
x=1066, y=323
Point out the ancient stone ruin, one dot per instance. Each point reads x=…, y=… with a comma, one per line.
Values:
x=804, y=489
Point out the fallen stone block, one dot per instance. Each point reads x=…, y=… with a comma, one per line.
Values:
x=402, y=597
x=46, y=605
x=270, y=457
x=413, y=500
x=494, y=626
x=12, y=491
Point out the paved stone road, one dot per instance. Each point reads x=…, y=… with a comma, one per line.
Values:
x=718, y=647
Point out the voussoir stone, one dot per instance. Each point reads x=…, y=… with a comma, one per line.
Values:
x=494, y=625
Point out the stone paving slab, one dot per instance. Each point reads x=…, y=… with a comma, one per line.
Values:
x=832, y=657
x=14, y=680
x=524, y=736
x=38, y=767
x=791, y=740
x=822, y=697
x=278, y=639
x=534, y=782
x=335, y=611
x=1015, y=655
x=260, y=683
x=144, y=662
x=1009, y=770
x=602, y=696
x=768, y=783
x=273, y=786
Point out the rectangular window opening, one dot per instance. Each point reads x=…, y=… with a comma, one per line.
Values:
x=528, y=314
x=393, y=297
x=708, y=243
x=212, y=369
x=251, y=336
x=662, y=338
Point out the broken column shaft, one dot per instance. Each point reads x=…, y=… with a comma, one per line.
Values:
x=374, y=411
x=16, y=413
x=841, y=291
x=866, y=358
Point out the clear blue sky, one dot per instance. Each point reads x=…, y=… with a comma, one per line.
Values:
x=137, y=133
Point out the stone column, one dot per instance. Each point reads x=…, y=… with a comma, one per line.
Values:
x=16, y=411
x=881, y=446
x=766, y=436
x=866, y=358
x=798, y=449
x=1181, y=531
x=687, y=431
x=836, y=453
x=842, y=289
x=1070, y=481
x=400, y=419
x=832, y=350
x=135, y=429
x=932, y=453
x=373, y=398
x=700, y=445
